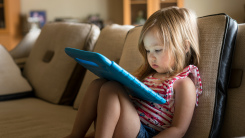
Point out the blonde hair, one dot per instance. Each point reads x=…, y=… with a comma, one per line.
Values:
x=173, y=27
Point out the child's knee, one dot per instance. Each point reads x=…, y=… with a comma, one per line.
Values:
x=95, y=86
x=99, y=82
x=111, y=86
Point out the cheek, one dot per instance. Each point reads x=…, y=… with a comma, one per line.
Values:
x=149, y=56
x=165, y=59
x=170, y=61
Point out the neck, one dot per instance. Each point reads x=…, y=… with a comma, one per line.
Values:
x=161, y=75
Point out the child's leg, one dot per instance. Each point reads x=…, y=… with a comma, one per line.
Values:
x=116, y=115
x=87, y=110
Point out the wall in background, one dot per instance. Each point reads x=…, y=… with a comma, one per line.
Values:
x=80, y=9
x=233, y=8
x=113, y=10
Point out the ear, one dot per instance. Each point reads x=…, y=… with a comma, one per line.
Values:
x=187, y=45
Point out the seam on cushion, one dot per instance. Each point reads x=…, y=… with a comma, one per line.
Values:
x=223, y=68
x=213, y=15
x=16, y=96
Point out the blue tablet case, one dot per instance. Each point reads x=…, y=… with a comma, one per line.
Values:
x=104, y=68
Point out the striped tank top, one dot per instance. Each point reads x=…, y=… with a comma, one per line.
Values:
x=159, y=116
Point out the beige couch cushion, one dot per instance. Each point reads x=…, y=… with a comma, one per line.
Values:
x=214, y=47
x=21, y=52
x=49, y=69
x=110, y=44
x=234, y=121
x=131, y=58
x=35, y=118
x=12, y=83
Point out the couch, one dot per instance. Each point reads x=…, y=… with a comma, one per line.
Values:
x=42, y=101
x=21, y=51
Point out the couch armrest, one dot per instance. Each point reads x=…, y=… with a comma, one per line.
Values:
x=21, y=52
x=12, y=84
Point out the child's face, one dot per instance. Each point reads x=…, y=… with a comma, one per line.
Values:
x=158, y=58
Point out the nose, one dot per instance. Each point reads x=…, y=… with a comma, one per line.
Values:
x=151, y=56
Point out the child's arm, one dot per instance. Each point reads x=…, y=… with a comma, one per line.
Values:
x=185, y=99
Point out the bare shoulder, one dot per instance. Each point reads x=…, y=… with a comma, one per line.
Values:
x=185, y=84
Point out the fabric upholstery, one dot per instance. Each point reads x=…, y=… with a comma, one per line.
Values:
x=21, y=52
x=49, y=69
x=12, y=83
x=131, y=58
x=35, y=118
x=213, y=33
x=110, y=44
x=234, y=119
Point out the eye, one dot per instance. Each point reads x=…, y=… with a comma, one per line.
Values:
x=158, y=50
x=147, y=51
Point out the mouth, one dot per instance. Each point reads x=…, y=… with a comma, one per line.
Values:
x=154, y=66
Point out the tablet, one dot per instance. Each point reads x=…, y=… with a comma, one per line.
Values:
x=107, y=69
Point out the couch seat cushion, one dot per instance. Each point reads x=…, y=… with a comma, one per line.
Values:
x=32, y=117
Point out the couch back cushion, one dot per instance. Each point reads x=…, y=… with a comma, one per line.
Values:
x=49, y=70
x=234, y=119
x=131, y=58
x=110, y=44
x=217, y=34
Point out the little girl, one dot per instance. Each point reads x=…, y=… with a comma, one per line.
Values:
x=169, y=44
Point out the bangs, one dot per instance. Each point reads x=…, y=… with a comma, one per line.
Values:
x=161, y=34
